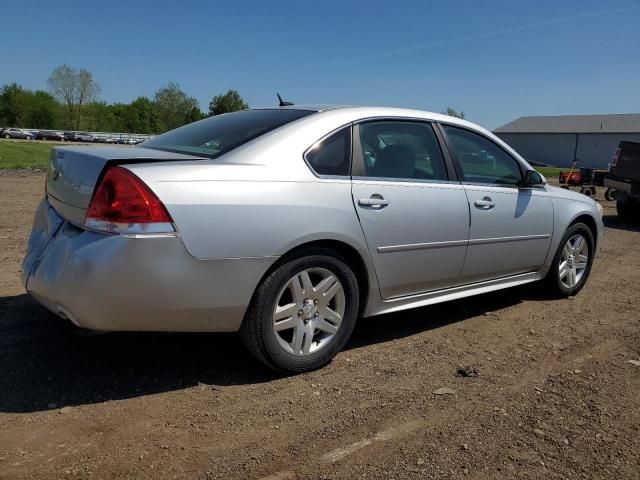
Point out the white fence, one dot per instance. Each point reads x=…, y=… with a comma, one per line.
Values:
x=101, y=136
x=134, y=136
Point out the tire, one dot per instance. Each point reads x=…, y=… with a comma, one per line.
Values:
x=27, y=137
x=7, y=136
x=610, y=194
x=628, y=210
x=271, y=344
x=561, y=284
x=586, y=191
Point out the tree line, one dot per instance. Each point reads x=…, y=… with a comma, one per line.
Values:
x=72, y=102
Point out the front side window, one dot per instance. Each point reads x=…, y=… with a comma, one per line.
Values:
x=480, y=160
x=217, y=135
x=331, y=156
x=402, y=150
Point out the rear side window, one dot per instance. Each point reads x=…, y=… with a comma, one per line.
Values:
x=217, y=135
x=332, y=155
x=402, y=150
x=480, y=160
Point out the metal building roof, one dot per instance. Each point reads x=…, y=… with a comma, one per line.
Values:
x=615, y=123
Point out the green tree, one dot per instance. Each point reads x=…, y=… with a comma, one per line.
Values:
x=452, y=112
x=24, y=108
x=14, y=105
x=142, y=116
x=229, y=102
x=100, y=117
x=75, y=89
x=174, y=108
x=44, y=110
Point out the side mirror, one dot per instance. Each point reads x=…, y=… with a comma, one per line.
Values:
x=533, y=179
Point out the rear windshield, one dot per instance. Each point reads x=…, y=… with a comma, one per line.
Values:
x=220, y=134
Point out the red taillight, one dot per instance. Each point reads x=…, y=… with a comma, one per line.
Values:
x=123, y=203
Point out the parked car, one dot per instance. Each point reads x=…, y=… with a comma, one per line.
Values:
x=79, y=137
x=624, y=179
x=287, y=224
x=50, y=135
x=17, y=133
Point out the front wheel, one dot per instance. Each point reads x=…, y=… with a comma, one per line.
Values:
x=572, y=263
x=303, y=313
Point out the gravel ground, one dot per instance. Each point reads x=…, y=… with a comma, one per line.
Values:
x=508, y=385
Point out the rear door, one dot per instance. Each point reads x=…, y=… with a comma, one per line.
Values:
x=511, y=227
x=415, y=220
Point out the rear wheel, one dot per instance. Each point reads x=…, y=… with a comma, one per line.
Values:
x=610, y=194
x=572, y=263
x=303, y=313
x=7, y=136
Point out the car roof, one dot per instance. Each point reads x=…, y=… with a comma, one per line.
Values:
x=363, y=111
x=307, y=107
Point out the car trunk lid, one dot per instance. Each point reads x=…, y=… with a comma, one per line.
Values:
x=74, y=171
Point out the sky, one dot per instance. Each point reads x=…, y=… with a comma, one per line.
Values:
x=495, y=60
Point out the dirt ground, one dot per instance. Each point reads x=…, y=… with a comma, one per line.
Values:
x=554, y=395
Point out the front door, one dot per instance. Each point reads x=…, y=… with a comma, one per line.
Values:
x=415, y=221
x=511, y=226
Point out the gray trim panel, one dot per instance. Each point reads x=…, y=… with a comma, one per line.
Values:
x=458, y=243
x=520, y=238
x=422, y=246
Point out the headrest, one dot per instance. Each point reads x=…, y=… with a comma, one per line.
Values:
x=395, y=161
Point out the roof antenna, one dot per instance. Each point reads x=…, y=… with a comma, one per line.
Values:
x=282, y=102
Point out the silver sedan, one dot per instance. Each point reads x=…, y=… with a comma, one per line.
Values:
x=288, y=224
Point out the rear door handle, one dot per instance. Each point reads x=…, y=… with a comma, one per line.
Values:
x=373, y=201
x=486, y=203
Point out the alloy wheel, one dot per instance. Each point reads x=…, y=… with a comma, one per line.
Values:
x=308, y=311
x=574, y=261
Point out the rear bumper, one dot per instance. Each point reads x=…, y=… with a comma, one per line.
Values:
x=619, y=185
x=144, y=283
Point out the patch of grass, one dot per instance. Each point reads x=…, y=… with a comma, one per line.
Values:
x=550, y=172
x=24, y=154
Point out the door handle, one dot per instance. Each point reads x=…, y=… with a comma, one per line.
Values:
x=486, y=203
x=373, y=201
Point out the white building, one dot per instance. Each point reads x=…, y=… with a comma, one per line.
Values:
x=557, y=140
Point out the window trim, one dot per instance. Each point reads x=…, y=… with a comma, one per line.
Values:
x=322, y=139
x=358, y=170
x=458, y=167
